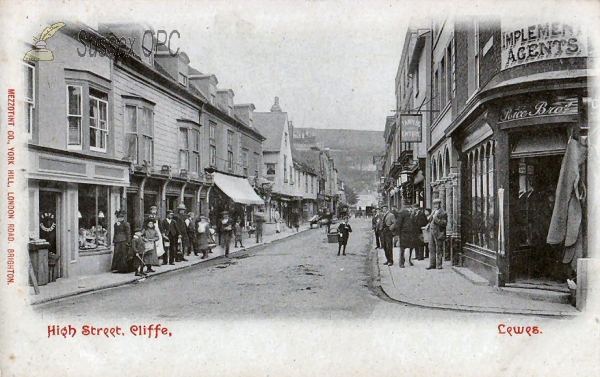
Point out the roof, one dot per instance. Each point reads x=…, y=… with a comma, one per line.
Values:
x=302, y=162
x=270, y=125
x=310, y=157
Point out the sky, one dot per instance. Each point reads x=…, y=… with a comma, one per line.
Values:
x=331, y=63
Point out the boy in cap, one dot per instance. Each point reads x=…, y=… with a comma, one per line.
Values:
x=137, y=246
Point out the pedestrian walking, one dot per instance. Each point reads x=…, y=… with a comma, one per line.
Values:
x=183, y=237
x=121, y=261
x=202, y=237
x=226, y=230
x=237, y=233
x=344, y=230
x=437, y=227
x=375, y=226
x=137, y=249
x=296, y=219
x=328, y=219
x=385, y=228
x=170, y=236
x=150, y=238
x=259, y=220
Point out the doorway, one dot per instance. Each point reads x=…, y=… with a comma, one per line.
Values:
x=50, y=220
x=533, y=183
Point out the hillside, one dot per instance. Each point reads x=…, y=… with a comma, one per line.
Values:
x=352, y=150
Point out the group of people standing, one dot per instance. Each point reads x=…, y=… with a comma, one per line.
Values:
x=404, y=229
x=173, y=238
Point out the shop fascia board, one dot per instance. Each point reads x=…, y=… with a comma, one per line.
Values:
x=535, y=83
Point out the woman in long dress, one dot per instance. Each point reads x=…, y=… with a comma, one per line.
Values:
x=121, y=240
x=202, y=230
x=160, y=249
x=150, y=235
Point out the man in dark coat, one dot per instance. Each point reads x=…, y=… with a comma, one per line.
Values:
x=170, y=235
x=419, y=221
x=404, y=228
x=375, y=226
x=385, y=228
x=183, y=233
x=226, y=231
x=437, y=226
x=344, y=230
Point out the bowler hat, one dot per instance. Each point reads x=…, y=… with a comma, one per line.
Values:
x=120, y=212
x=437, y=200
x=224, y=213
x=154, y=207
x=181, y=206
x=169, y=212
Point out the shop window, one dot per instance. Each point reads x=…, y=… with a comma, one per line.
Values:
x=29, y=98
x=93, y=215
x=480, y=213
x=139, y=130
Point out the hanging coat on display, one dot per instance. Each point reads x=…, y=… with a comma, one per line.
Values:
x=567, y=214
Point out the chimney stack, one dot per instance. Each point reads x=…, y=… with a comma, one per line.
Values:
x=275, y=108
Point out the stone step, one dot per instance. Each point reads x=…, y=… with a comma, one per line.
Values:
x=470, y=275
x=539, y=294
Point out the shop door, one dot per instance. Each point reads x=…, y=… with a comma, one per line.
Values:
x=49, y=222
x=532, y=185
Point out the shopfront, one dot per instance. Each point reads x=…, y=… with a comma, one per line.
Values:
x=511, y=172
x=72, y=204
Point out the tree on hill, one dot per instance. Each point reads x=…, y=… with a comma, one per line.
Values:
x=351, y=196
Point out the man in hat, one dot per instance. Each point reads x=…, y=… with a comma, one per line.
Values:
x=191, y=232
x=375, y=225
x=259, y=220
x=226, y=230
x=183, y=234
x=170, y=236
x=437, y=226
x=385, y=228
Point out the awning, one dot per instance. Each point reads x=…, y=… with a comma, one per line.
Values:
x=541, y=144
x=238, y=189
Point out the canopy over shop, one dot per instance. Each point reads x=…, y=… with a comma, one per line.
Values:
x=239, y=194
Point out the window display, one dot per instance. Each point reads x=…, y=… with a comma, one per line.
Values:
x=93, y=217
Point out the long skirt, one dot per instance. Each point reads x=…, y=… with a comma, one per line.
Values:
x=150, y=256
x=121, y=258
x=160, y=249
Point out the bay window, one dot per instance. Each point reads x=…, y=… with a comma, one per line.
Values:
x=74, y=116
x=98, y=120
x=88, y=112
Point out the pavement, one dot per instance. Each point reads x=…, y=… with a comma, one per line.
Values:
x=67, y=287
x=455, y=288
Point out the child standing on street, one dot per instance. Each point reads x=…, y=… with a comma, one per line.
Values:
x=237, y=231
x=344, y=231
x=137, y=245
